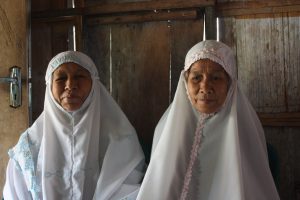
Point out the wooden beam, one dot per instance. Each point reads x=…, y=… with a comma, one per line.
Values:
x=97, y=9
x=143, y=17
x=121, y=8
x=55, y=19
x=280, y=119
x=69, y=12
x=233, y=9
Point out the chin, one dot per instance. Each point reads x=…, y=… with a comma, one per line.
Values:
x=205, y=110
x=71, y=108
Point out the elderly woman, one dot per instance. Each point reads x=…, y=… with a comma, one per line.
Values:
x=209, y=144
x=82, y=146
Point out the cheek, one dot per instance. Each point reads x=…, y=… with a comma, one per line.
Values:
x=86, y=88
x=56, y=91
x=192, y=89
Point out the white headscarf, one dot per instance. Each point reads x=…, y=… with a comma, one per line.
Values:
x=209, y=157
x=85, y=154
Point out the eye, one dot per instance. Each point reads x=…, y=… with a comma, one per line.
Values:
x=216, y=77
x=196, y=77
x=82, y=76
x=60, y=78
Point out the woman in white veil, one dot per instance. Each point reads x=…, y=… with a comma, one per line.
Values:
x=82, y=146
x=209, y=144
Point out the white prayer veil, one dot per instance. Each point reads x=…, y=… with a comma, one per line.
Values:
x=86, y=154
x=209, y=157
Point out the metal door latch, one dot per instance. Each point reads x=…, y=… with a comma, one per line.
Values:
x=15, y=83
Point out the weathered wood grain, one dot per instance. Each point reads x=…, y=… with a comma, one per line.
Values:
x=119, y=6
x=97, y=46
x=289, y=119
x=286, y=142
x=144, y=17
x=41, y=55
x=140, y=66
x=227, y=32
x=210, y=23
x=242, y=8
x=260, y=61
x=292, y=55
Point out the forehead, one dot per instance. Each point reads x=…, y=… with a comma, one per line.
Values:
x=70, y=67
x=206, y=65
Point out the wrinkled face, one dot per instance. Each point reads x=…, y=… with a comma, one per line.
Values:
x=207, y=84
x=71, y=85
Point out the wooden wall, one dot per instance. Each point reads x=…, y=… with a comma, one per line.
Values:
x=140, y=64
x=267, y=46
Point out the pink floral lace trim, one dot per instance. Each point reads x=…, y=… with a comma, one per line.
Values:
x=193, y=155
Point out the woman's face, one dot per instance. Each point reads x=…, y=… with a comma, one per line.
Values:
x=207, y=84
x=71, y=85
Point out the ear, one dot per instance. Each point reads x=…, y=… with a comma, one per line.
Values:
x=186, y=74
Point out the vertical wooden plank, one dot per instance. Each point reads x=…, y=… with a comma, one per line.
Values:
x=184, y=35
x=286, y=142
x=41, y=55
x=210, y=23
x=292, y=54
x=260, y=59
x=227, y=32
x=97, y=46
x=60, y=37
x=140, y=65
x=78, y=33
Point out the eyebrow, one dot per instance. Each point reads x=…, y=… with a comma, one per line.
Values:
x=215, y=70
x=77, y=70
x=82, y=69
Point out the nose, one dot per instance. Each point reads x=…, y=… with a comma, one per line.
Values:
x=205, y=86
x=71, y=84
